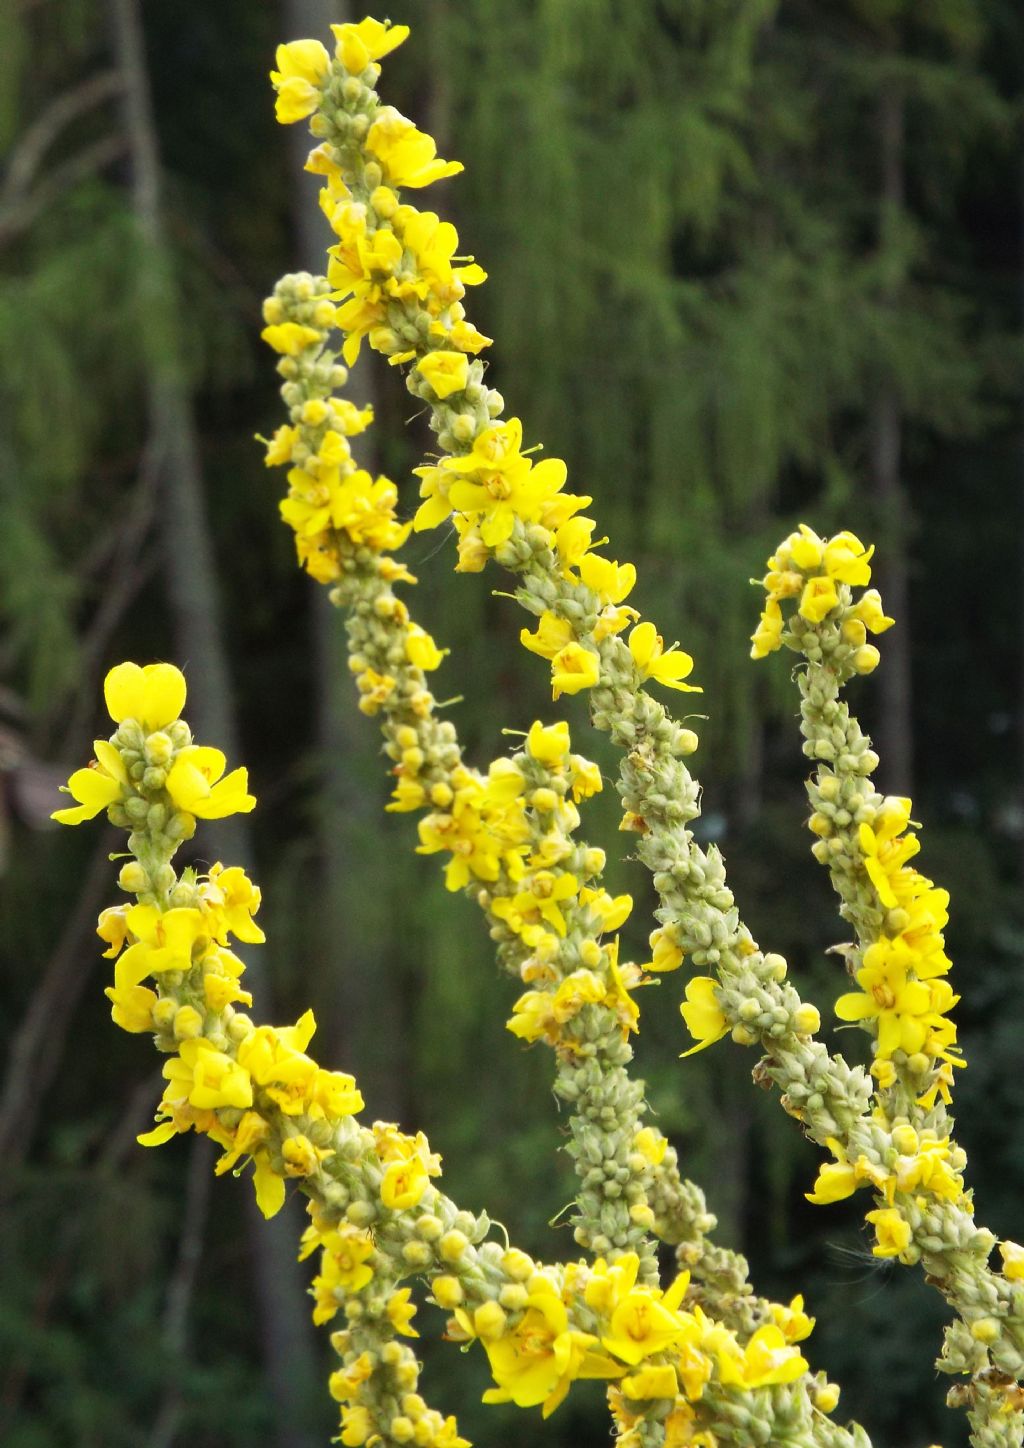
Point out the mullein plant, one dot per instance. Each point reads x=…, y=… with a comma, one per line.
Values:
x=700, y=1359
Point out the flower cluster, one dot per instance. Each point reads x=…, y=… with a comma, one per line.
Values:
x=376, y=1215
x=679, y=1370
x=904, y=998
x=813, y=570
x=903, y=1151
x=643, y=1339
x=503, y=505
x=328, y=495
x=392, y=271
x=507, y=832
x=151, y=764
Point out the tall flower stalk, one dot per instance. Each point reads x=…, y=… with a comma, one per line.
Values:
x=699, y=1359
x=393, y=273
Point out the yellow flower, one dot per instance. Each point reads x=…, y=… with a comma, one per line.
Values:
x=494, y=499
x=641, y=1325
x=793, y=1320
x=206, y=1078
x=666, y=666
x=131, y=1007
x=907, y=1011
x=408, y=156
x=401, y=1312
x=1013, y=1261
x=805, y=549
x=767, y=1360
x=334, y=1095
x=344, y=1269
x=892, y=1232
x=466, y=337
x=574, y=668
x=533, y=1016
x=870, y=612
x=586, y=778
x=437, y=283
x=612, y=582
x=356, y=1426
x=301, y=1157
x=818, y=599
x=447, y=372
x=421, y=650
x=610, y=911
x=536, y=1361
x=836, y=1179
x=291, y=338
x=667, y=955
x=541, y=899
x=280, y=446
x=846, y=559
x=249, y=1134
x=447, y=1291
x=112, y=927
x=369, y=40
x=275, y=1058
x=195, y=785
x=551, y=636
x=230, y=900
x=703, y=1015
x=680, y=1430
x=96, y=787
x=408, y=794
x=651, y=1382
x=572, y=539
x=164, y=940
x=485, y=825
x=344, y=1384
x=154, y=696
x=927, y=1168
x=404, y=1183
x=495, y=451
x=222, y=970
x=767, y=637
x=885, y=853
x=651, y=1145
x=548, y=745
x=301, y=67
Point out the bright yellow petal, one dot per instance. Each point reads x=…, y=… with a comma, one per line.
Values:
x=270, y=1190
x=163, y=695
x=158, y=1135
x=123, y=691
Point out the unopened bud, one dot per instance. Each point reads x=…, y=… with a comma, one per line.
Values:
x=826, y=1396
x=447, y=1291
x=776, y=966
x=133, y=878
x=806, y=1020
x=685, y=742
x=163, y=1014
x=985, y=1329
x=188, y=1024
x=453, y=1245
x=490, y=1320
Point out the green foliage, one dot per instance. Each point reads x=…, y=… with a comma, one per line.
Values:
x=689, y=194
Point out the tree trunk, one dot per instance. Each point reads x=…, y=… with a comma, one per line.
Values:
x=1020, y=699
x=895, y=732
x=365, y=1020
x=196, y=617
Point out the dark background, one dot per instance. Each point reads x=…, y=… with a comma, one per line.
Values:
x=751, y=263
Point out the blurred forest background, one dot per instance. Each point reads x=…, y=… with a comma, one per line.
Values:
x=752, y=262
